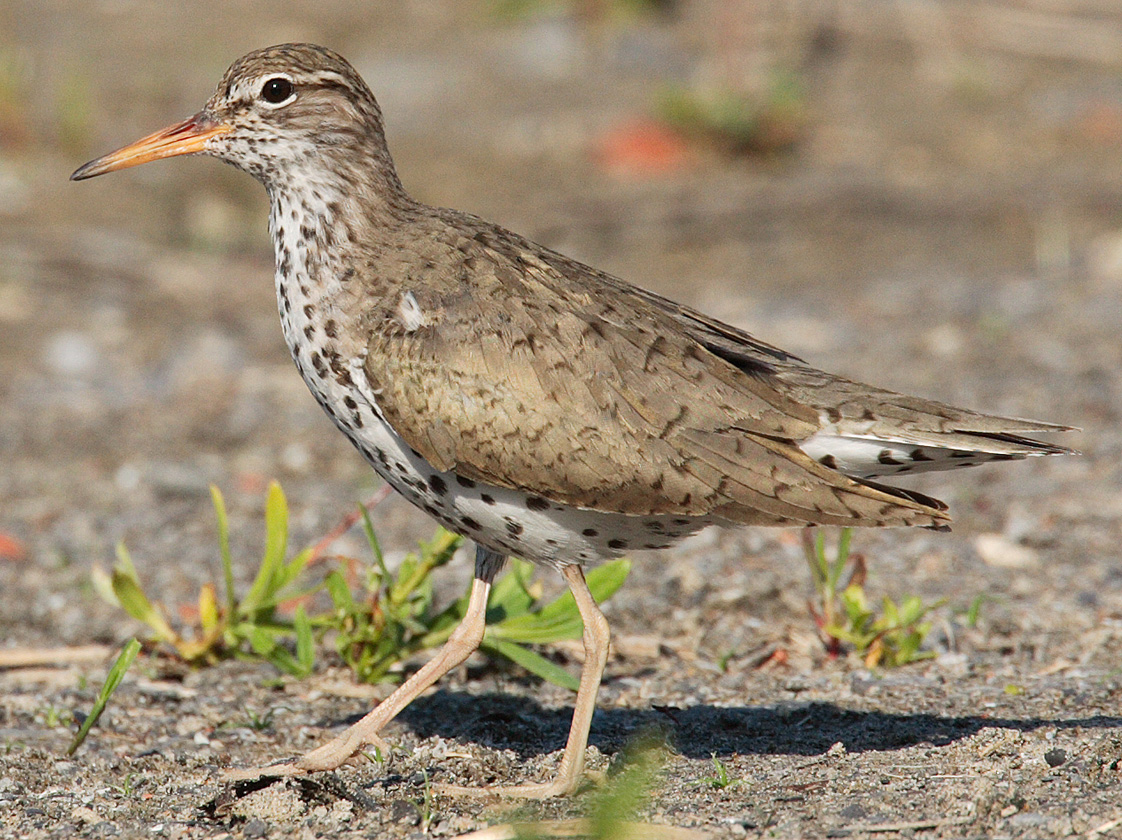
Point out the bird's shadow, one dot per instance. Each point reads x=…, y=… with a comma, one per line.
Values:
x=521, y=724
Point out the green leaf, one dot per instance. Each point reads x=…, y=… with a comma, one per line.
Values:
x=260, y=639
x=533, y=662
x=280, y=658
x=208, y=609
x=124, y=562
x=560, y=619
x=605, y=579
x=132, y=598
x=339, y=591
x=510, y=596
x=276, y=542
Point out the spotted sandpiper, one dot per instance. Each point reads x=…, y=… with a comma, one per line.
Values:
x=536, y=405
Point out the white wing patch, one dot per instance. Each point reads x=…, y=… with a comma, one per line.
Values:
x=409, y=313
x=868, y=457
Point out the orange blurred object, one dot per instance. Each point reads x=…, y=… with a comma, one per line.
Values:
x=643, y=148
x=11, y=548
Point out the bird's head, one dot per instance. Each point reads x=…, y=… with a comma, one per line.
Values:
x=278, y=113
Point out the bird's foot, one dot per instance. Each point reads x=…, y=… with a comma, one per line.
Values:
x=329, y=756
x=564, y=785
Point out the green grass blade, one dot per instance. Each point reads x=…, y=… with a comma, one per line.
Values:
x=284, y=662
x=533, y=662
x=372, y=538
x=224, y=547
x=112, y=680
x=103, y=585
x=124, y=562
x=305, y=644
x=841, y=557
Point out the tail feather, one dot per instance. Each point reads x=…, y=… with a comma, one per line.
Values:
x=869, y=432
x=872, y=456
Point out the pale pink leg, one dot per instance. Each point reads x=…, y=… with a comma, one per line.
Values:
x=461, y=644
x=596, y=638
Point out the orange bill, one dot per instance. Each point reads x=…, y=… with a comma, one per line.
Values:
x=184, y=138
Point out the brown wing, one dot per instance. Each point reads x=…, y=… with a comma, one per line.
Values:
x=512, y=373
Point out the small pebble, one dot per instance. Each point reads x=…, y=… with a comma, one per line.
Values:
x=1000, y=552
x=1055, y=757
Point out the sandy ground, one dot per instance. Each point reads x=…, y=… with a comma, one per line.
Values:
x=949, y=225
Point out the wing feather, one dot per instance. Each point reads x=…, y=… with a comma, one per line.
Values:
x=521, y=377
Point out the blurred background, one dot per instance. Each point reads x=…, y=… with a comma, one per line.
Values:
x=923, y=194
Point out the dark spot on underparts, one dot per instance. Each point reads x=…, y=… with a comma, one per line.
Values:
x=464, y=482
x=438, y=485
x=537, y=503
x=616, y=542
x=471, y=524
x=514, y=528
x=590, y=532
x=487, y=499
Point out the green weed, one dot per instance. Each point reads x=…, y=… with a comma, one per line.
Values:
x=396, y=615
x=247, y=626
x=889, y=639
x=740, y=122
x=376, y=618
x=629, y=788
x=720, y=778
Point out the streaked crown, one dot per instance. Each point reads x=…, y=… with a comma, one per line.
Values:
x=297, y=106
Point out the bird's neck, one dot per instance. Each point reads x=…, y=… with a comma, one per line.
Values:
x=325, y=233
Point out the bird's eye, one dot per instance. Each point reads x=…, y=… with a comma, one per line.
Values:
x=277, y=90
